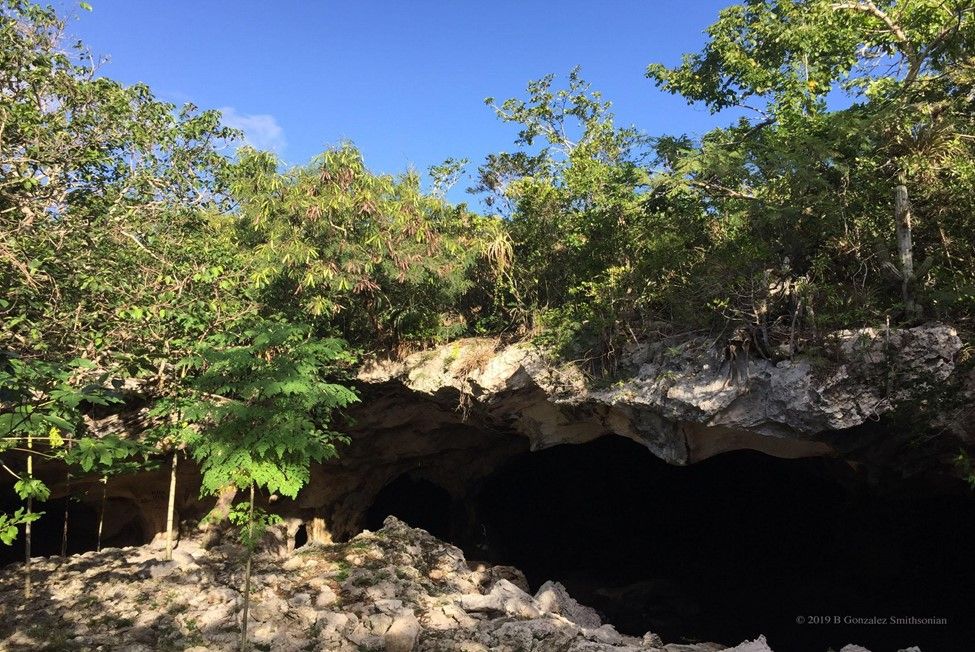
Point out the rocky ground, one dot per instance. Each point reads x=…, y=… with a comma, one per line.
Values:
x=397, y=589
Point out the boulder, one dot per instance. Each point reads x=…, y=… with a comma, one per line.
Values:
x=553, y=598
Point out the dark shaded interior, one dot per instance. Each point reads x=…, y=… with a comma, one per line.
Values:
x=417, y=502
x=301, y=536
x=48, y=530
x=736, y=546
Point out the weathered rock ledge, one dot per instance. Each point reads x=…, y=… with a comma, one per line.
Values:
x=455, y=414
x=687, y=401
x=398, y=589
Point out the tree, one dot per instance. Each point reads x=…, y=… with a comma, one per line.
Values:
x=114, y=245
x=857, y=105
x=263, y=408
x=597, y=251
x=109, y=207
x=40, y=404
x=370, y=255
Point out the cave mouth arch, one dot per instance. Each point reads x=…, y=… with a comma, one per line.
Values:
x=416, y=501
x=732, y=547
x=735, y=546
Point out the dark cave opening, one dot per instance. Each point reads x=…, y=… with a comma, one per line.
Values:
x=418, y=502
x=724, y=550
x=122, y=528
x=301, y=536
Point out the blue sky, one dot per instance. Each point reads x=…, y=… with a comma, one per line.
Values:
x=403, y=79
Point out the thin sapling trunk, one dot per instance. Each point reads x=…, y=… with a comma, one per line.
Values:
x=30, y=507
x=101, y=514
x=902, y=221
x=170, y=510
x=67, y=503
x=247, y=571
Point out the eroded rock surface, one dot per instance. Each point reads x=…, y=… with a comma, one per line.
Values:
x=687, y=401
x=398, y=589
x=455, y=414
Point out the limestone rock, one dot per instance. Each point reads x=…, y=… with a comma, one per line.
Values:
x=164, y=569
x=326, y=598
x=486, y=576
x=553, y=598
x=684, y=401
x=761, y=645
x=109, y=601
x=402, y=633
x=607, y=635
x=504, y=598
x=476, y=403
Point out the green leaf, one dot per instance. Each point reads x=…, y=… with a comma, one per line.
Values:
x=8, y=533
x=58, y=422
x=31, y=488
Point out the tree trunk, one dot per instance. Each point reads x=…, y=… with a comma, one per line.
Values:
x=101, y=515
x=247, y=572
x=171, y=508
x=67, y=502
x=30, y=508
x=64, y=529
x=902, y=220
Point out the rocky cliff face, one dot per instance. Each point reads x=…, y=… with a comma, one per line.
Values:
x=453, y=419
x=454, y=414
x=686, y=401
x=397, y=589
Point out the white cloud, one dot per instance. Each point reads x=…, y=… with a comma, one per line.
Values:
x=261, y=130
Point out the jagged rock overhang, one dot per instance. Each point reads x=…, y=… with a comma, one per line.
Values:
x=684, y=400
x=454, y=414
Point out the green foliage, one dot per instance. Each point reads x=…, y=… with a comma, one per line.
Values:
x=27, y=487
x=42, y=404
x=572, y=202
x=369, y=254
x=781, y=53
x=251, y=527
x=40, y=412
x=810, y=188
x=108, y=207
x=41, y=399
x=773, y=228
x=445, y=175
x=10, y=522
x=118, y=243
x=109, y=455
x=263, y=407
x=597, y=252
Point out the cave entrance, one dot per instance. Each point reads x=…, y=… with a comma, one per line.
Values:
x=736, y=546
x=415, y=501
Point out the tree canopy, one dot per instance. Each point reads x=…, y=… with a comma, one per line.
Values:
x=140, y=241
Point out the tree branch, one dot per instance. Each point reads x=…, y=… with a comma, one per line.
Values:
x=906, y=47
